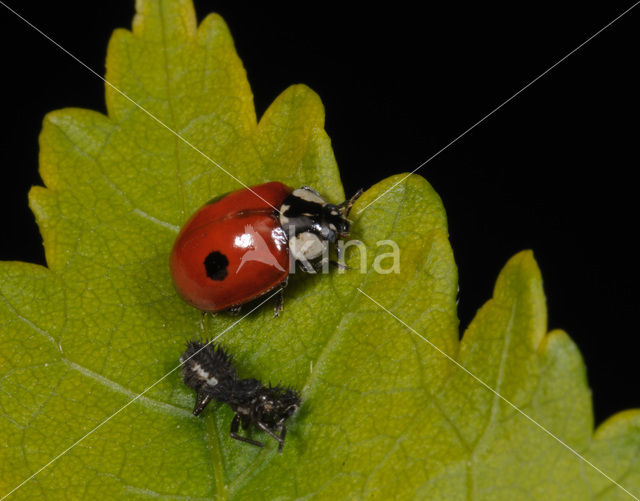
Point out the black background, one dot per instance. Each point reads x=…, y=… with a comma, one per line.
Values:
x=550, y=171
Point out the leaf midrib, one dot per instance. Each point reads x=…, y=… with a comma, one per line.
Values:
x=475, y=448
x=210, y=426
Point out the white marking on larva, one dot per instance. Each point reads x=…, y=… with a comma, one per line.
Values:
x=310, y=366
x=309, y=196
x=211, y=380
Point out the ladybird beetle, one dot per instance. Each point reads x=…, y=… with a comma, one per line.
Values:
x=242, y=245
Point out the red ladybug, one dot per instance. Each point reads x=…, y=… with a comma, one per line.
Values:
x=243, y=245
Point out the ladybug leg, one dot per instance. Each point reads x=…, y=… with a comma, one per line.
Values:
x=202, y=399
x=283, y=434
x=235, y=310
x=203, y=319
x=340, y=255
x=233, y=433
x=339, y=265
x=266, y=429
x=345, y=207
x=307, y=267
x=322, y=266
x=279, y=306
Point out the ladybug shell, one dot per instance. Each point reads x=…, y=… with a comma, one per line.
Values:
x=232, y=250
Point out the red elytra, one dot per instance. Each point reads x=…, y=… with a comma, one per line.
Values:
x=232, y=250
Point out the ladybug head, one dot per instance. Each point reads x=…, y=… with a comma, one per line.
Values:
x=337, y=215
x=274, y=405
x=312, y=224
x=305, y=211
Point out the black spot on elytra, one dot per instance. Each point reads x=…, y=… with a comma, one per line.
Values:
x=215, y=264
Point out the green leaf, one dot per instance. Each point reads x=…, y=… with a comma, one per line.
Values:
x=384, y=414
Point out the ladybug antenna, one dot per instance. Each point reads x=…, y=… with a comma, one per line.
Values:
x=345, y=207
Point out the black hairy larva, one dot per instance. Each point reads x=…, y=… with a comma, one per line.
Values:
x=208, y=369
